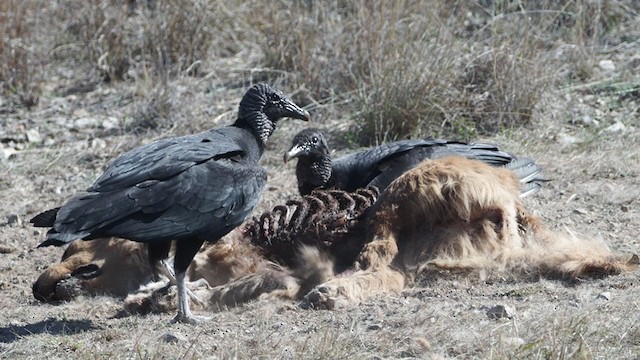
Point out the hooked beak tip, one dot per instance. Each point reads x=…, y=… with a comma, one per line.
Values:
x=306, y=116
x=295, y=151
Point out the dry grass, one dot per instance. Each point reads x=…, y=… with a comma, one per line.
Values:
x=19, y=66
x=398, y=69
x=129, y=40
x=412, y=68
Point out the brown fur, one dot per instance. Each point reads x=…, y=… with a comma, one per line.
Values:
x=236, y=268
x=120, y=266
x=255, y=278
x=228, y=259
x=459, y=214
x=450, y=214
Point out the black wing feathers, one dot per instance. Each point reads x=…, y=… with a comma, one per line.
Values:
x=165, y=158
x=380, y=165
x=530, y=175
x=486, y=153
x=46, y=218
x=199, y=185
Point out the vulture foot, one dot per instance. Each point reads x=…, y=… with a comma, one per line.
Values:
x=189, y=319
x=165, y=269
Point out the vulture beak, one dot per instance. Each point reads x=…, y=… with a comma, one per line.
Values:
x=294, y=111
x=295, y=151
x=306, y=115
x=300, y=114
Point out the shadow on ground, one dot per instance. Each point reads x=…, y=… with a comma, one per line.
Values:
x=11, y=333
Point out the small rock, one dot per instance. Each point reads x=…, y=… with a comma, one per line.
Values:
x=33, y=136
x=86, y=122
x=501, y=311
x=604, y=296
x=4, y=249
x=607, y=65
x=7, y=153
x=80, y=113
x=615, y=128
x=588, y=120
x=170, y=337
x=14, y=219
x=580, y=211
x=566, y=139
x=110, y=123
x=374, y=327
x=98, y=144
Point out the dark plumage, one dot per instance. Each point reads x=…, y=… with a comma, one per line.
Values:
x=380, y=165
x=187, y=189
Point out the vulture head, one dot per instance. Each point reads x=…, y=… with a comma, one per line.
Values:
x=314, y=160
x=262, y=106
x=308, y=143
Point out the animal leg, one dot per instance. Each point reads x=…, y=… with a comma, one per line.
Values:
x=274, y=281
x=184, y=312
x=353, y=289
x=185, y=252
x=377, y=254
x=165, y=269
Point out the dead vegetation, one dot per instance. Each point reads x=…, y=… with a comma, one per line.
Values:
x=399, y=69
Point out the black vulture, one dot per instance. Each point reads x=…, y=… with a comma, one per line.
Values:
x=379, y=166
x=188, y=189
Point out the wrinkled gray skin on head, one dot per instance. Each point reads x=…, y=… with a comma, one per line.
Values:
x=262, y=106
x=314, y=160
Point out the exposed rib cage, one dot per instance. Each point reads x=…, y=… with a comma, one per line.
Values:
x=323, y=219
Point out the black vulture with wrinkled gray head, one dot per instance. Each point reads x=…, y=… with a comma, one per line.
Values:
x=188, y=189
x=379, y=166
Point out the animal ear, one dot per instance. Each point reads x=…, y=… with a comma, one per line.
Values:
x=86, y=272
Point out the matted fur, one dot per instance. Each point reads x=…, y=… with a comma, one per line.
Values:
x=255, y=277
x=114, y=266
x=280, y=251
x=450, y=214
x=459, y=214
x=234, y=271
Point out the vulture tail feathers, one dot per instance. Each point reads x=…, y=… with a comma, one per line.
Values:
x=530, y=175
x=45, y=219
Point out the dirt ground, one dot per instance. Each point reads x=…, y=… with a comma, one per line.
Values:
x=585, y=137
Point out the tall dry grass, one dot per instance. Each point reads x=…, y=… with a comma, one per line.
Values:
x=416, y=68
x=397, y=68
x=19, y=63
